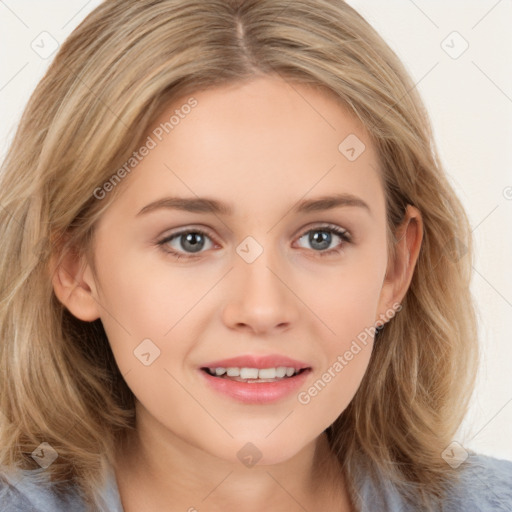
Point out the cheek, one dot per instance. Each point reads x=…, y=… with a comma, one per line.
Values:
x=348, y=306
x=346, y=353
x=335, y=385
x=152, y=317
x=139, y=310
x=349, y=297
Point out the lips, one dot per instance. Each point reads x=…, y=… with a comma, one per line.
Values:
x=255, y=391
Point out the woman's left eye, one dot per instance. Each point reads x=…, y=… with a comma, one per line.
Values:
x=324, y=241
x=193, y=241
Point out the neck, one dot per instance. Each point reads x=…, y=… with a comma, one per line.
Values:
x=159, y=471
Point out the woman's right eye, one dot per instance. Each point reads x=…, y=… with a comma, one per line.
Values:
x=194, y=240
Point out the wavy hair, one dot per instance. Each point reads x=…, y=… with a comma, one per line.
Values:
x=59, y=382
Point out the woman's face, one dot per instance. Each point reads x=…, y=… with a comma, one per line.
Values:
x=265, y=275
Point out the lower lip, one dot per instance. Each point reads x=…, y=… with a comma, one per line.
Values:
x=256, y=393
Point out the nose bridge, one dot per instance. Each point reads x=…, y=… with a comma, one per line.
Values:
x=257, y=266
x=261, y=299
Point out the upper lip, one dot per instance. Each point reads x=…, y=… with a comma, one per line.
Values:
x=257, y=361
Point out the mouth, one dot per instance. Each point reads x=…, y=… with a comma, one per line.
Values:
x=251, y=385
x=255, y=375
x=256, y=378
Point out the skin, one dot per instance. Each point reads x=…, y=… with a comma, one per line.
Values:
x=260, y=146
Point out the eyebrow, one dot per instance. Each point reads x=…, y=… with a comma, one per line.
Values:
x=209, y=205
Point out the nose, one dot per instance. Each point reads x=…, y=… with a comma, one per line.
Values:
x=260, y=299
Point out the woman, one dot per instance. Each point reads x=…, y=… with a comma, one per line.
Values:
x=233, y=273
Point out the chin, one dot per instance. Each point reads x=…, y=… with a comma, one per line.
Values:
x=263, y=451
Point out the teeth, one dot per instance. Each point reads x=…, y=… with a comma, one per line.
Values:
x=281, y=371
x=248, y=373
x=267, y=373
x=254, y=373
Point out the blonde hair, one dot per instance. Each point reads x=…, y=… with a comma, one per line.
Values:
x=110, y=80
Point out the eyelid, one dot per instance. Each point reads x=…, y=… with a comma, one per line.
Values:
x=324, y=225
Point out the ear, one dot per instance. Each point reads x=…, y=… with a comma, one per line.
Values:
x=399, y=273
x=74, y=285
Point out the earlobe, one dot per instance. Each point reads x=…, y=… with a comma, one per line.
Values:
x=399, y=274
x=73, y=285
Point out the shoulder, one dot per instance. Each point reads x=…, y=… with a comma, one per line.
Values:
x=485, y=484
x=26, y=491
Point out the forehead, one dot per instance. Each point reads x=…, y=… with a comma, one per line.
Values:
x=256, y=144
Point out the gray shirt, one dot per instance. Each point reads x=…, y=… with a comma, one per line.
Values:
x=486, y=486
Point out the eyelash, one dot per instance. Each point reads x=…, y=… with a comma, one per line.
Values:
x=328, y=228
